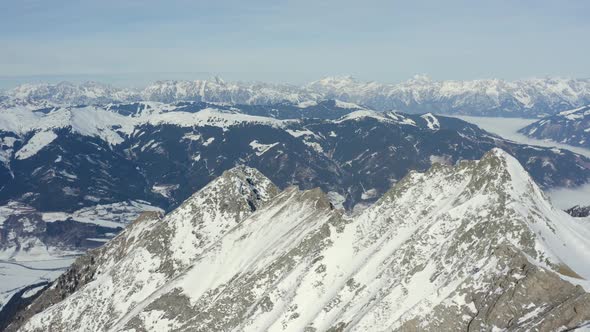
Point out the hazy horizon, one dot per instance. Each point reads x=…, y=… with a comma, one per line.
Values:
x=132, y=42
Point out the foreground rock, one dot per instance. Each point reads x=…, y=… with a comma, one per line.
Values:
x=472, y=247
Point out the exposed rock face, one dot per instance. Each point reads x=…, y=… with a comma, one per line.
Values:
x=151, y=250
x=579, y=211
x=513, y=286
x=472, y=247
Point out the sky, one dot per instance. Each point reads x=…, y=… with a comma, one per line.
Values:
x=131, y=42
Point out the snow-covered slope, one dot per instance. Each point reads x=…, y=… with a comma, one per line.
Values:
x=570, y=127
x=471, y=247
x=492, y=97
x=153, y=250
x=108, y=124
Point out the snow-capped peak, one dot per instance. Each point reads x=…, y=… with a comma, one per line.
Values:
x=438, y=252
x=153, y=250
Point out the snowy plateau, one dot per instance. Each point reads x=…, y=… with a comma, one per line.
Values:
x=475, y=246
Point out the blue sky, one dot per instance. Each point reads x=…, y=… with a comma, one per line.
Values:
x=132, y=41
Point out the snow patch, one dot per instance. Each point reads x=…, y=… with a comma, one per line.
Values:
x=431, y=121
x=261, y=148
x=35, y=144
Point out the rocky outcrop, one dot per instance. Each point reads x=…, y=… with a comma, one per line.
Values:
x=512, y=294
x=579, y=211
x=476, y=246
x=153, y=245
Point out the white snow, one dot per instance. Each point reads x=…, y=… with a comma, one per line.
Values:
x=314, y=145
x=359, y=115
x=105, y=123
x=108, y=215
x=336, y=199
x=32, y=291
x=35, y=144
x=165, y=189
x=306, y=104
x=209, y=141
x=261, y=148
x=299, y=133
x=368, y=194
x=403, y=256
x=16, y=275
x=343, y=104
x=507, y=128
x=431, y=121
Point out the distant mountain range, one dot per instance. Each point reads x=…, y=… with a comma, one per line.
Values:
x=569, y=127
x=524, y=98
x=80, y=163
x=470, y=247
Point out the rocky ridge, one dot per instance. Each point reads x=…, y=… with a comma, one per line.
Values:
x=475, y=246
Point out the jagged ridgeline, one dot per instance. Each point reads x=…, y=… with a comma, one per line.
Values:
x=476, y=246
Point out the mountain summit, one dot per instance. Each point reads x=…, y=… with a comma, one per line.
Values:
x=475, y=246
